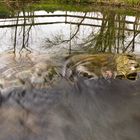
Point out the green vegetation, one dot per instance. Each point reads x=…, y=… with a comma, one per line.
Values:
x=134, y=3
x=3, y=10
x=50, y=7
x=63, y=7
x=11, y=7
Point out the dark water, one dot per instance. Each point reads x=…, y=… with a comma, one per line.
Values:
x=70, y=31
x=95, y=110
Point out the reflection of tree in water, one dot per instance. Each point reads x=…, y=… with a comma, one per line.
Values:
x=24, y=31
x=136, y=27
x=114, y=35
x=18, y=7
x=58, y=39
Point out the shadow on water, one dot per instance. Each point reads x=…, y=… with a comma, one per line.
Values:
x=97, y=31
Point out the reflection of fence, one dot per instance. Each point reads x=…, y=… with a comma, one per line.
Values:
x=12, y=21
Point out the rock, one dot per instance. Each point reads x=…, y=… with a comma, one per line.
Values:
x=101, y=65
x=89, y=65
x=126, y=66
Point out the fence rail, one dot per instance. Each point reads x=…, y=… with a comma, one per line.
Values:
x=11, y=21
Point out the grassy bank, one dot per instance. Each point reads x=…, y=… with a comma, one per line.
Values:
x=50, y=7
x=3, y=9
x=119, y=6
x=132, y=3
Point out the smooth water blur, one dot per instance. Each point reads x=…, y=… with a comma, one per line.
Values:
x=65, y=31
x=84, y=110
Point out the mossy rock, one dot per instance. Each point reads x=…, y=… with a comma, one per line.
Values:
x=102, y=65
x=127, y=66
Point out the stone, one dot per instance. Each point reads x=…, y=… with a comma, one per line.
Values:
x=102, y=65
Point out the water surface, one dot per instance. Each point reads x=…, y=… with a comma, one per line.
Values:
x=69, y=31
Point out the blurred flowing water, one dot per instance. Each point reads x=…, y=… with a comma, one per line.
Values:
x=28, y=37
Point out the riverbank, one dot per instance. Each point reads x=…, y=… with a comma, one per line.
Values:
x=89, y=5
x=129, y=3
x=115, y=2
x=133, y=4
x=131, y=7
x=86, y=7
